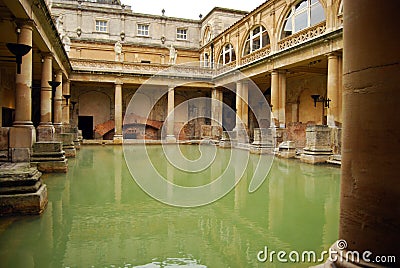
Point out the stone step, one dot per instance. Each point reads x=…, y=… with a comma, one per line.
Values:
x=7, y=190
x=14, y=180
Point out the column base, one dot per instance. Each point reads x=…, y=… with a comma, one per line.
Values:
x=45, y=132
x=67, y=140
x=22, y=138
x=58, y=128
x=170, y=139
x=118, y=139
x=21, y=190
x=49, y=157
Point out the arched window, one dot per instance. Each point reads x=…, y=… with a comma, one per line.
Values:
x=302, y=15
x=257, y=38
x=227, y=55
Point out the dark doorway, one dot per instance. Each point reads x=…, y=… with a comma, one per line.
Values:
x=7, y=116
x=85, y=123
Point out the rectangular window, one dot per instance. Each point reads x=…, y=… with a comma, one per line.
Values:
x=101, y=26
x=181, y=34
x=143, y=29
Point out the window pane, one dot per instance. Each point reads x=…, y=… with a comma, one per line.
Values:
x=317, y=14
x=227, y=59
x=233, y=55
x=301, y=6
x=314, y=1
x=300, y=21
x=256, y=30
x=265, y=39
x=256, y=43
x=227, y=47
x=246, y=48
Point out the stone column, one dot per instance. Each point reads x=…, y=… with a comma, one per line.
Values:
x=245, y=106
x=171, y=119
x=282, y=100
x=216, y=107
x=370, y=189
x=118, y=113
x=216, y=113
x=275, y=99
x=22, y=134
x=333, y=90
x=239, y=106
x=65, y=107
x=57, y=103
x=45, y=131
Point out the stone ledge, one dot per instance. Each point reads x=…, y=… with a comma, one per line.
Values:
x=24, y=204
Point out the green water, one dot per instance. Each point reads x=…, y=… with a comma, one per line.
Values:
x=97, y=216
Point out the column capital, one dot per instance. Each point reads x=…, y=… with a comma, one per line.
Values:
x=118, y=83
x=333, y=54
x=171, y=87
x=47, y=55
x=25, y=23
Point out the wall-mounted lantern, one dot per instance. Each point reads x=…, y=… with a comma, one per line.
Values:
x=67, y=97
x=19, y=50
x=318, y=98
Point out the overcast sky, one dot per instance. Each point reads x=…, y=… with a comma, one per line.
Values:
x=188, y=8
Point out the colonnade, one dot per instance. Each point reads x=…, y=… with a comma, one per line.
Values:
x=23, y=134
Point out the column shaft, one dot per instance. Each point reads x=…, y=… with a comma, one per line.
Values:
x=46, y=91
x=239, y=105
x=23, y=99
x=57, y=103
x=275, y=98
x=282, y=100
x=245, y=106
x=118, y=113
x=370, y=188
x=171, y=118
x=333, y=90
x=65, y=107
x=216, y=107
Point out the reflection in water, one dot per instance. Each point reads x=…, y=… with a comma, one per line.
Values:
x=97, y=216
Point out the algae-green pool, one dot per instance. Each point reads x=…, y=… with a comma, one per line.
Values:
x=97, y=216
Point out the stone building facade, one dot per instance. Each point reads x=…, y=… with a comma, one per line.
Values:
x=290, y=50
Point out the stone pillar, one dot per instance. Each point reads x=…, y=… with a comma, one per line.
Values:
x=65, y=107
x=171, y=119
x=370, y=189
x=245, y=106
x=57, y=103
x=22, y=134
x=333, y=90
x=45, y=131
x=282, y=100
x=275, y=98
x=216, y=113
x=118, y=113
x=216, y=107
x=239, y=106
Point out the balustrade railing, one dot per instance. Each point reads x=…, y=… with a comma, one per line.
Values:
x=261, y=53
x=302, y=36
